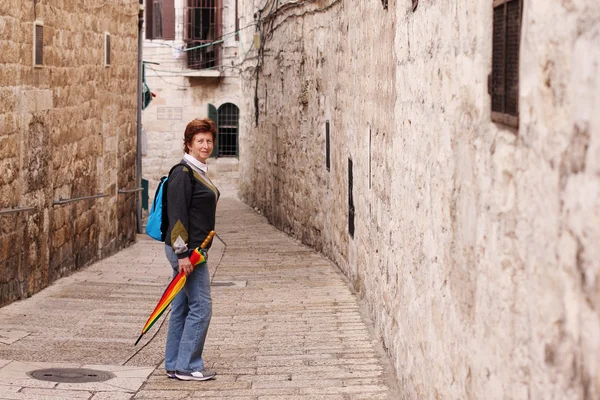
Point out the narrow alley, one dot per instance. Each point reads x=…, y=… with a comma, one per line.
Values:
x=285, y=325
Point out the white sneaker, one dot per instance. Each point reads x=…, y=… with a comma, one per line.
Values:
x=203, y=375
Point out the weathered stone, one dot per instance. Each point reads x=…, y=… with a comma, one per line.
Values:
x=53, y=120
x=476, y=246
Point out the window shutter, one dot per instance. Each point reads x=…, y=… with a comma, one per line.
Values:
x=504, y=80
x=168, y=22
x=327, y=147
x=213, y=114
x=237, y=22
x=38, y=56
x=351, y=210
x=513, y=36
x=149, y=20
x=107, y=49
x=498, y=57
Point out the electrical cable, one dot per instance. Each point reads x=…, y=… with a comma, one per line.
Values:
x=307, y=12
x=180, y=73
x=156, y=74
x=218, y=40
x=167, y=82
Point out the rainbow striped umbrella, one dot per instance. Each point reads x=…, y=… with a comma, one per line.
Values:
x=197, y=257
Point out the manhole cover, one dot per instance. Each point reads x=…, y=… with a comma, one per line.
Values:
x=71, y=375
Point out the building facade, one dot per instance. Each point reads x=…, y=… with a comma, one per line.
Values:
x=190, y=56
x=68, y=77
x=446, y=155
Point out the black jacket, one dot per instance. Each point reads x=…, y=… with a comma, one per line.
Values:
x=191, y=208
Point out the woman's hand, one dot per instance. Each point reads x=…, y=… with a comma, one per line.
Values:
x=185, y=266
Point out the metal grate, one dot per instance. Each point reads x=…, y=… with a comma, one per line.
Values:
x=513, y=33
x=39, y=45
x=504, y=85
x=71, y=375
x=227, y=138
x=202, y=28
x=107, y=50
x=350, y=200
x=327, y=147
x=498, y=61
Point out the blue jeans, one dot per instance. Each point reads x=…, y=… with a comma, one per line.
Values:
x=191, y=311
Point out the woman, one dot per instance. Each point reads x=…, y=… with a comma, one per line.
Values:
x=191, y=206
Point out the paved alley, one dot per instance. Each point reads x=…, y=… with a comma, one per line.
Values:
x=285, y=326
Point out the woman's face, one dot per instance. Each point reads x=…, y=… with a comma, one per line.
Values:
x=201, y=146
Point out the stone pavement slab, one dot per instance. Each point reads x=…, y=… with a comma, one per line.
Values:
x=286, y=325
x=16, y=383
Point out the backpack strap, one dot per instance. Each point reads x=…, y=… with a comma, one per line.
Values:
x=188, y=167
x=165, y=213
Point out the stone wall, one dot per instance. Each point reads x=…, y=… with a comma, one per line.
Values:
x=67, y=130
x=476, y=247
x=182, y=95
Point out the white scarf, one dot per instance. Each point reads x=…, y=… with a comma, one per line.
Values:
x=196, y=164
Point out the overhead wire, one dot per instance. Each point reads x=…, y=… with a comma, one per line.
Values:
x=218, y=40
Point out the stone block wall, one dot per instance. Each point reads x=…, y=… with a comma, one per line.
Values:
x=476, y=246
x=67, y=130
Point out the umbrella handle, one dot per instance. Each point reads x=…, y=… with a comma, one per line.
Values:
x=211, y=234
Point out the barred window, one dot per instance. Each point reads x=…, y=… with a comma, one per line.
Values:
x=504, y=79
x=227, y=138
x=202, y=27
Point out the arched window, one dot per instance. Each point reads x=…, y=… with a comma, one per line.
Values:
x=227, y=128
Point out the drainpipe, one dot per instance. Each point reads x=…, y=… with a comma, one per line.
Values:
x=138, y=150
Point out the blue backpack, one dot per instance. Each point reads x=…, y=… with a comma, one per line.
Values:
x=158, y=219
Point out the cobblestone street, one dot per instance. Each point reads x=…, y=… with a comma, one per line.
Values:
x=285, y=325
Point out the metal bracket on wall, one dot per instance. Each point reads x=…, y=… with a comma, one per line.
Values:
x=16, y=210
x=122, y=191
x=61, y=201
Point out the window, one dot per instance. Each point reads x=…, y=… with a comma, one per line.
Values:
x=38, y=44
x=350, y=200
x=157, y=18
x=227, y=138
x=107, y=49
x=327, y=147
x=202, y=26
x=160, y=19
x=503, y=83
x=237, y=23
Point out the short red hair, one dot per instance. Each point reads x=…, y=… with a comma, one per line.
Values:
x=198, y=125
